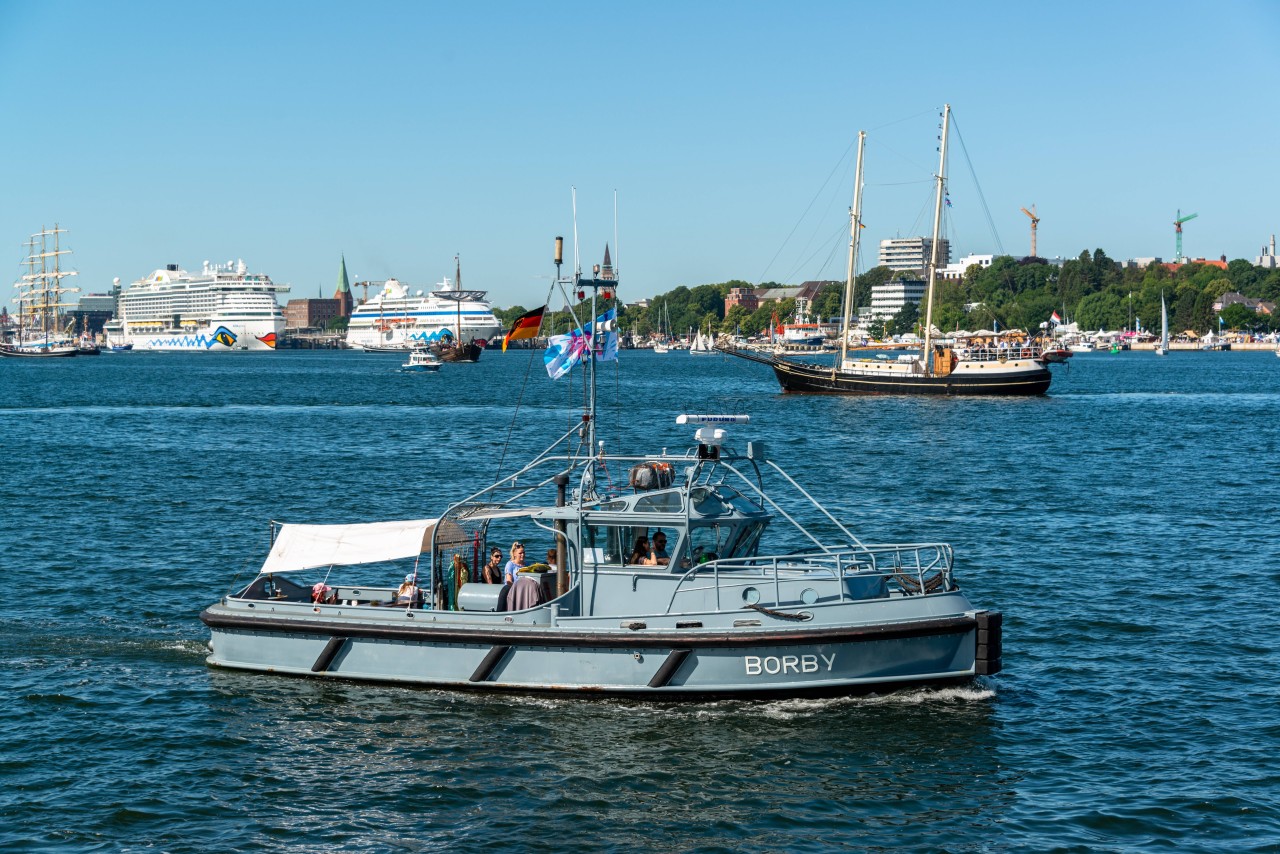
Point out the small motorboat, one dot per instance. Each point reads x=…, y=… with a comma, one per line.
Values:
x=421, y=361
x=1056, y=354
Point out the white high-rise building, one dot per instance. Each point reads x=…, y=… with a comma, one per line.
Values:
x=912, y=253
x=1267, y=260
x=889, y=298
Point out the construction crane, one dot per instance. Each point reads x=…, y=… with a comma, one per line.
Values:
x=1035, y=220
x=1177, y=227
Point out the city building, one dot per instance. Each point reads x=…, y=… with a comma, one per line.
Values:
x=311, y=313
x=93, y=311
x=1234, y=298
x=1220, y=263
x=957, y=270
x=912, y=253
x=752, y=298
x=1268, y=260
x=745, y=297
x=888, y=299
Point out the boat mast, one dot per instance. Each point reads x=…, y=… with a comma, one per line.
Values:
x=457, y=286
x=933, y=254
x=44, y=284
x=855, y=222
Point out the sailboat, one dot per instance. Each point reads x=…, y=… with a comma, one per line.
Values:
x=40, y=291
x=456, y=350
x=661, y=345
x=703, y=344
x=1163, y=348
x=938, y=368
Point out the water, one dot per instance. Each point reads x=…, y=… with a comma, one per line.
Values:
x=1125, y=525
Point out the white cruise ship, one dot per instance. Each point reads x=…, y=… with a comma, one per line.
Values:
x=395, y=318
x=223, y=308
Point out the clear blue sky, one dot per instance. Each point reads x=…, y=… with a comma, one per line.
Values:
x=403, y=133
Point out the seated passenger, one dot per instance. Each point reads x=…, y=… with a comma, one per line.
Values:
x=408, y=592
x=491, y=572
x=640, y=552
x=323, y=594
x=515, y=564
x=659, y=553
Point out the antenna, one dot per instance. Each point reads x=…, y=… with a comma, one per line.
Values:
x=577, y=264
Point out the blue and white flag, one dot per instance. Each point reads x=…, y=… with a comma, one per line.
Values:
x=607, y=325
x=565, y=351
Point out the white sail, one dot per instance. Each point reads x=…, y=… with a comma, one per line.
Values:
x=1163, y=349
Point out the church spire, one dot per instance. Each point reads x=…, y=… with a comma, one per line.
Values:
x=606, y=269
x=343, y=294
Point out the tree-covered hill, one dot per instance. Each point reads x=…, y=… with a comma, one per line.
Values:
x=1092, y=290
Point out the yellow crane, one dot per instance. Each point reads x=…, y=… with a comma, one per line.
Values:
x=1035, y=220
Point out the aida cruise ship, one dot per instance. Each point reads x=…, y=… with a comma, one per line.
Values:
x=395, y=318
x=224, y=308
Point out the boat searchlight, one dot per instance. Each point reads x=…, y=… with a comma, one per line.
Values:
x=708, y=437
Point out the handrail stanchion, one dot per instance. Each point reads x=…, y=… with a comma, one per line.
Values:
x=715, y=568
x=777, y=586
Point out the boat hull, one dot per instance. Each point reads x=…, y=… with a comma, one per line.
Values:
x=1025, y=377
x=213, y=337
x=30, y=352
x=692, y=664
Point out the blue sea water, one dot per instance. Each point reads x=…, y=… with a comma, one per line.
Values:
x=1125, y=524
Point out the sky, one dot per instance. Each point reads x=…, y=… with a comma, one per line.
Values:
x=398, y=135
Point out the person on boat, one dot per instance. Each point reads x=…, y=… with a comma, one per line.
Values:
x=551, y=559
x=515, y=564
x=641, y=551
x=323, y=594
x=491, y=572
x=658, y=554
x=408, y=592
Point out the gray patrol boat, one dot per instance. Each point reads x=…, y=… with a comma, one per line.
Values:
x=711, y=612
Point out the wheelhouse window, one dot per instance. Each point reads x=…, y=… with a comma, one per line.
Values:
x=660, y=502
x=630, y=545
x=717, y=542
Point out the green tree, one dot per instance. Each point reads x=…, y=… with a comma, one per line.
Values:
x=1243, y=275
x=905, y=320
x=1239, y=316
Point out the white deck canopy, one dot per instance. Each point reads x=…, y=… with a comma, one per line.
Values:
x=309, y=546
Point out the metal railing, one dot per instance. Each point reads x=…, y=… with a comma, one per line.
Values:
x=914, y=569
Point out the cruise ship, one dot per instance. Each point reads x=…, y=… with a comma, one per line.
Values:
x=223, y=308
x=395, y=318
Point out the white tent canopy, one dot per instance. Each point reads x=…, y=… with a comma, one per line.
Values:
x=309, y=546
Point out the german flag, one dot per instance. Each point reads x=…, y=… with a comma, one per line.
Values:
x=524, y=326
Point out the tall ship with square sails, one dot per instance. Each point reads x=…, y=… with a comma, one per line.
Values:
x=395, y=318
x=223, y=308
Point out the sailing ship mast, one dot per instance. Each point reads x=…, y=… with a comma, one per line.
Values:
x=41, y=290
x=855, y=225
x=927, y=353
x=457, y=286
